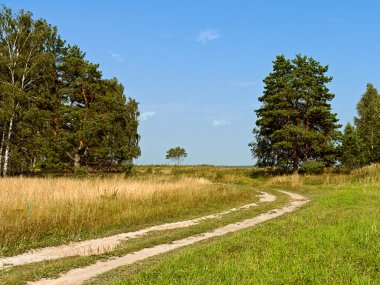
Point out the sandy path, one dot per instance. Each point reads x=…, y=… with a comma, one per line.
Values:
x=106, y=244
x=77, y=276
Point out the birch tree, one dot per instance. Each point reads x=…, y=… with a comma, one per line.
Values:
x=25, y=63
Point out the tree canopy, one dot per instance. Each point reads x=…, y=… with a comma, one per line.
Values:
x=176, y=154
x=352, y=148
x=57, y=112
x=368, y=123
x=295, y=123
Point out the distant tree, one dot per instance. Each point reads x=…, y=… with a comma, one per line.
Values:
x=176, y=154
x=368, y=123
x=295, y=123
x=352, y=149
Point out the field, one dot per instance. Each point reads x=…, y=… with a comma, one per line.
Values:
x=38, y=212
x=334, y=239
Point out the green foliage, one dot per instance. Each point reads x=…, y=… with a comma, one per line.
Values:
x=176, y=154
x=352, y=150
x=312, y=167
x=57, y=113
x=27, y=57
x=295, y=122
x=368, y=123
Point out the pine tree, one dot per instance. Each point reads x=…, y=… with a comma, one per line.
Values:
x=98, y=126
x=295, y=123
x=352, y=148
x=368, y=123
x=112, y=132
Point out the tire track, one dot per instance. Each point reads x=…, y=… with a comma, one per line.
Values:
x=107, y=244
x=79, y=275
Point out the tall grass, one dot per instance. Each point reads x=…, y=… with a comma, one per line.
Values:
x=38, y=212
x=368, y=174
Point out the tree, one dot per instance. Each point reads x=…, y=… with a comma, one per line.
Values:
x=80, y=86
x=368, y=123
x=57, y=112
x=176, y=154
x=351, y=151
x=295, y=123
x=98, y=126
x=26, y=63
x=112, y=132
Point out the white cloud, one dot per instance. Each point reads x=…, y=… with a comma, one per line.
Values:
x=147, y=115
x=116, y=56
x=207, y=35
x=220, y=123
x=243, y=84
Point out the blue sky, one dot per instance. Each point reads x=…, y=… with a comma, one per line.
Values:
x=196, y=67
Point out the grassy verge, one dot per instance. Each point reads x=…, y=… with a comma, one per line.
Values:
x=50, y=269
x=334, y=240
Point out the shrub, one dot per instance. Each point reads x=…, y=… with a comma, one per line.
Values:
x=312, y=167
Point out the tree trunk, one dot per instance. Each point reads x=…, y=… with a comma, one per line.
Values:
x=76, y=161
x=6, y=154
x=33, y=164
x=1, y=151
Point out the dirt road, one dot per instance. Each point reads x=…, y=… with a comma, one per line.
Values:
x=77, y=276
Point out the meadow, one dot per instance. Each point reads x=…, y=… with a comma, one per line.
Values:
x=334, y=239
x=38, y=212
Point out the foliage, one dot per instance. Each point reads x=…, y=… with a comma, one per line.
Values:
x=57, y=113
x=368, y=123
x=176, y=154
x=351, y=152
x=312, y=167
x=295, y=123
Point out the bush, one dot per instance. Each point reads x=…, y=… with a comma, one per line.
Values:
x=312, y=167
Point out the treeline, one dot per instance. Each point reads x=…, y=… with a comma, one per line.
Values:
x=57, y=112
x=296, y=129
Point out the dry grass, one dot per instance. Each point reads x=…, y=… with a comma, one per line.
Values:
x=39, y=212
x=39, y=193
x=369, y=175
x=294, y=180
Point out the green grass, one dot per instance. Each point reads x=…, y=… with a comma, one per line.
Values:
x=333, y=240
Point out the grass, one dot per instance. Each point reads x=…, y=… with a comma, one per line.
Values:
x=51, y=269
x=334, y=240
x=38, y=212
